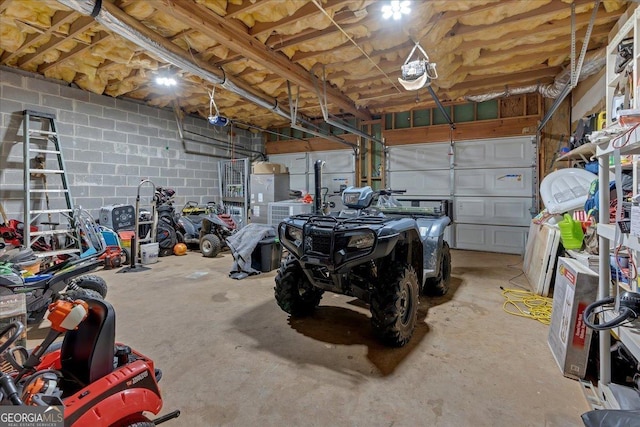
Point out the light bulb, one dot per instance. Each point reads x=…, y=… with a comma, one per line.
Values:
x=396, y=9
x=166, y=81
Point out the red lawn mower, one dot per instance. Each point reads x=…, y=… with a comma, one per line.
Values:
x=99, y=382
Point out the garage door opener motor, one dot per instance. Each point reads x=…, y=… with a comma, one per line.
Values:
x=418, y=73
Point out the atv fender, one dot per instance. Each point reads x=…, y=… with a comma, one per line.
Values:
x=432, y=235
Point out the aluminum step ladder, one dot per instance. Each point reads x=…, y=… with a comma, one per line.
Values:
x=41, y=143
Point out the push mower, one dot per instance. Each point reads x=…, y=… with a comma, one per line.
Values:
x=98, y=382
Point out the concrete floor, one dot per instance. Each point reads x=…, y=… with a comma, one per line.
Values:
x=230, y=356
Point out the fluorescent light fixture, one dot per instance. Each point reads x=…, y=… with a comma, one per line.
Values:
x=166, y=81
x=396, y=9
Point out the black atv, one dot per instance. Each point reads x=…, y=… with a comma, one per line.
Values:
x=384, y=254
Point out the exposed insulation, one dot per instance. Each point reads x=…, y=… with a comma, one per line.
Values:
x=484, y=40
x=140, y=10
x=11, y=38
x=276, y=11
x=34, y=12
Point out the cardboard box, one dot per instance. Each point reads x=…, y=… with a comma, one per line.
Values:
x=259, y=168
x=569, y=339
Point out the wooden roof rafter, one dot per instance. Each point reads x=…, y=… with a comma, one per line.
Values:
x=80, y=25
x=59, y=19
x=548, y=11
x=213, y=25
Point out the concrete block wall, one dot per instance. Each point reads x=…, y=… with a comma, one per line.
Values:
x=109, y=145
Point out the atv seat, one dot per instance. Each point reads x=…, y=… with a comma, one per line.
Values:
x=194, y=219
x=87, y=353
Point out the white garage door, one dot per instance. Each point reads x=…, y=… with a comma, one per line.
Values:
x=490, y=182
x=424, y=171
x=339, y=169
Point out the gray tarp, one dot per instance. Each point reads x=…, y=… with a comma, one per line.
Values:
x=242, y=244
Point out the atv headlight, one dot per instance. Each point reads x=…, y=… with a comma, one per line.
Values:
x=361, y=241
x=293, y=233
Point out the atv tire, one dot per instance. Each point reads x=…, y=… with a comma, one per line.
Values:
x=294, y=293
x=93, y=283
x=83, y=294
x=394, y=306
x=439, y=285
x=210, y=245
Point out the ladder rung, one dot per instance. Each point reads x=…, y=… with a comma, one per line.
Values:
x=42, y=190
x=47, y=211
x=49, y=232
x=46, y=171
x=44, y=151
x=43, y=132
x=56, y=253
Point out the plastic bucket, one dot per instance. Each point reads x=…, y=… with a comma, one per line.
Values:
x=125, y=238
x=571, y=232
x=149, y=253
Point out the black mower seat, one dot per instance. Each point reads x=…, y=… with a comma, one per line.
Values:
x=87, y=353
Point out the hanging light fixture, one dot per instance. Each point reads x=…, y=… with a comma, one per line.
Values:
x=396, y=9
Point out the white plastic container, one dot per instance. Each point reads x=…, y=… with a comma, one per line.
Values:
x=149, y=253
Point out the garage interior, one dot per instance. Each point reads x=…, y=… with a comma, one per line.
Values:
x=171, y=150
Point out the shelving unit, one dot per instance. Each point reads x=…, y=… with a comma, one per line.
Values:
x=614, y=396
x=628, y=30
x=611, y=394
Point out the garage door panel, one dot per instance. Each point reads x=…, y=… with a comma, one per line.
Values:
x=419, y=157
x=296, y=162
x=494, y=182
x=336, y=161
x=511, y=211
x=491, y=238
x=433, y=183
x=499, y=152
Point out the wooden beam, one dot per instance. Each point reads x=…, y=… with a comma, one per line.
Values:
x=59, y=19
x=81, y=25
x=80, y=48
x=548, y=11
x=278, y=42
x=233, y=10
x=171, y=47
x=455, y=14
x=305, y=11
x=311, y=144
x=558, y=26
x=516, y=126
x=216, y=27
x=299, y=56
